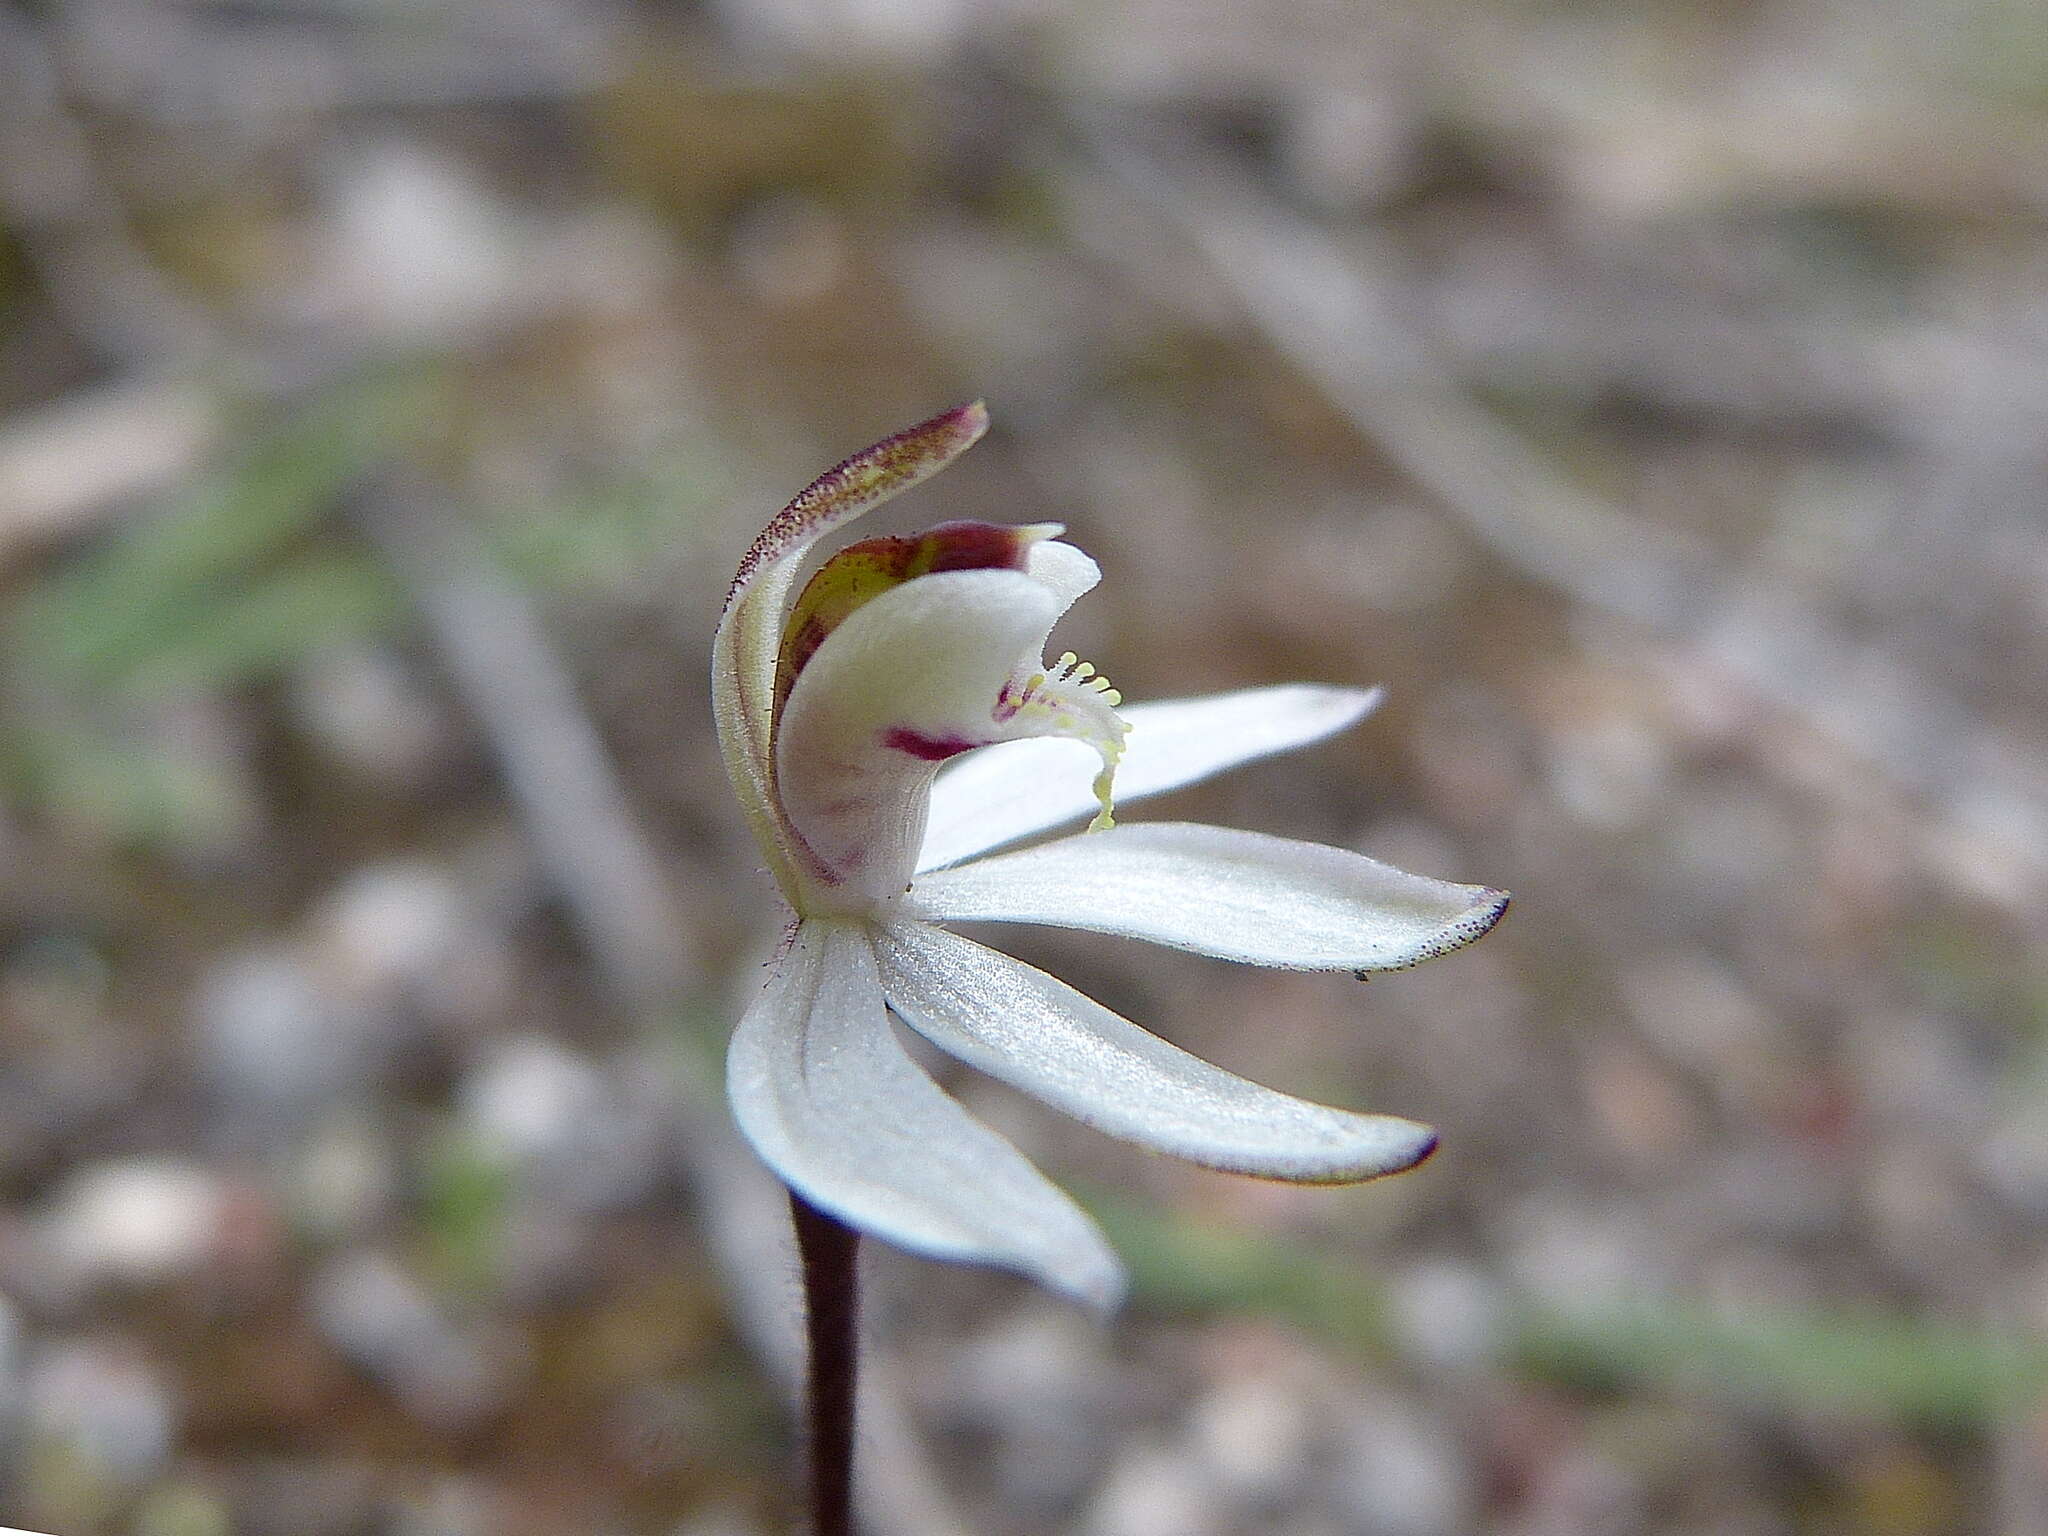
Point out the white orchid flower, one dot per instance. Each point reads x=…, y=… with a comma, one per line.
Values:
x=836, y=713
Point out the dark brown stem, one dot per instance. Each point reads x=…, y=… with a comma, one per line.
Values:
x=832, y=1308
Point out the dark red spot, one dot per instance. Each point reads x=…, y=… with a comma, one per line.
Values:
x=975, y=546
x=930, y=749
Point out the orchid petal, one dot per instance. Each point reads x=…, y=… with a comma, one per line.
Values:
x=750, y=631
x=1068, y=573
x=1040, y=1035
x=1019, y=788
x=1219, y=891
x=831, y=1101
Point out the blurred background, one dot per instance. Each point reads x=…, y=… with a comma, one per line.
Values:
x=1653, y=397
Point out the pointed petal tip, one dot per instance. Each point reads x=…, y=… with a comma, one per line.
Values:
x=1475, y=922
x=1490, y=907
x=1396, y=1146
x=1425, y=1147
x=970, y=419
x=1101, y=1293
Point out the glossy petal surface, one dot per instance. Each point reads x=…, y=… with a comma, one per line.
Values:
x=1004, y=793
x=1218, y=891
x=1040, y=1035
x=831, y=1101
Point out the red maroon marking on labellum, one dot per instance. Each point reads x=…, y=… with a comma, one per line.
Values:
x=862, y=572
x=967, y=545
x=931, y=749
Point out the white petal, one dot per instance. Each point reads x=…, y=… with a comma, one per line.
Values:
x=1218, y=891
x=831, y=1101
x=1003, y=793
x=1038, y=1034
x=929, y=660
x=1065, y=571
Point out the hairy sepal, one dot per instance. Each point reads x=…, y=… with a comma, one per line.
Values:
x=743, y=654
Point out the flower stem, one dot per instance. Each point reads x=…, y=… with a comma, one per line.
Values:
x=832, y=1308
